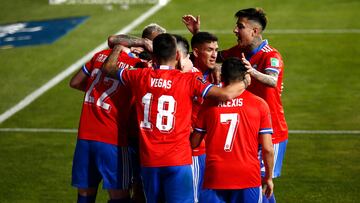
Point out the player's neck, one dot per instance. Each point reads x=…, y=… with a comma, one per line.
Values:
x=241, y=85
x=166, y=63
x=255, y=44
x=200, y=66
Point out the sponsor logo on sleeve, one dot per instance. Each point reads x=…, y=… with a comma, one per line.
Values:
x=274, y=62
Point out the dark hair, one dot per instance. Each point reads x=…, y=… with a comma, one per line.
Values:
x=233, y=69
x=202, y=37
x=182, y=44
x=164, y=47
x=255, y=14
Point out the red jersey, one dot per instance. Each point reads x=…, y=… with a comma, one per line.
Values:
x=266, y=58
x=105, y=110
x=200, y=150
x=232, y=138
x=163, y=99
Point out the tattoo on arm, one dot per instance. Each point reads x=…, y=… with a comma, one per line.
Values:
x=127, y=41
x=270, y=78
x=110, y=65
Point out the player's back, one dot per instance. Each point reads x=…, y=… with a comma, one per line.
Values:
x=164, y=101
x=233, y=129
x=106, y=102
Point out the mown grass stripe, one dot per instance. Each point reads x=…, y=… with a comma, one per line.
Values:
x=75, y=66
x=64, y=130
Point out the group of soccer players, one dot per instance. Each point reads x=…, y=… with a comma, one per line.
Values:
x=156, y=117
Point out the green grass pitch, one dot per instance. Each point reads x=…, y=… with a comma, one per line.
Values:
x=321, y=92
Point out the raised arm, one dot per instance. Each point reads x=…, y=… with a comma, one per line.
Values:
x=192, y=23
x=129, y=41
x=110, y=65
x=268, y=158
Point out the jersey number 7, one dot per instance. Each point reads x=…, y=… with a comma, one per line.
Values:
x=233, y=119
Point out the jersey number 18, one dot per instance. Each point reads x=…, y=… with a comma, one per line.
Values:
x=165, y=116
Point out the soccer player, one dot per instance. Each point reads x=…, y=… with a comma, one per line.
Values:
x=267, y=73
x=137, y=46
x=234, y=129
x=163, y=97
x=205, y=47
x=101, y=151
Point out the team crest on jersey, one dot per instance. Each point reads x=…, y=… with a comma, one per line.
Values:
x=202, y=80
x=274, y=62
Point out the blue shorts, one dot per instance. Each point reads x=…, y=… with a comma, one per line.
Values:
x=172, y=184
x=247, y=195
x=279, y=154
x=198, y=169
x=95, y=161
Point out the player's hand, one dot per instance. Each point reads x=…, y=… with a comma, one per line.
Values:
x=148, y=45
x=110, y=41
x=216, y=74
x=192, y=23
x=246, y=63
x=268, y=187
x=136, y=50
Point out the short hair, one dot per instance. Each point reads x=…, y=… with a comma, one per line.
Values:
x=233, y=69
x=151, y=28
x=255, y=14
x=202, y=37
x=182, y=44
x=164, y=47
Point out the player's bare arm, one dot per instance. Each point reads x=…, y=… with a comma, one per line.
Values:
x=196, y=138
x=269, y=78
x=226, y=93
x=110, y=65
x=129, y=41
x=192, y=23
x=79, y=81
x=268, y=157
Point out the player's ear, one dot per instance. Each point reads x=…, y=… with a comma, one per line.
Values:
x=196, y=52
x=178, y=55
x=256, y=30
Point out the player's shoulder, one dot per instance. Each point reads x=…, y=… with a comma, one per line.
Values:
x=270, y=51
x=254, y=98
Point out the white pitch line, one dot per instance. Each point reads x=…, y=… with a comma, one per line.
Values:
x=64, y=130
x=38, y=130
x=273, y=31
x=75, y=66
